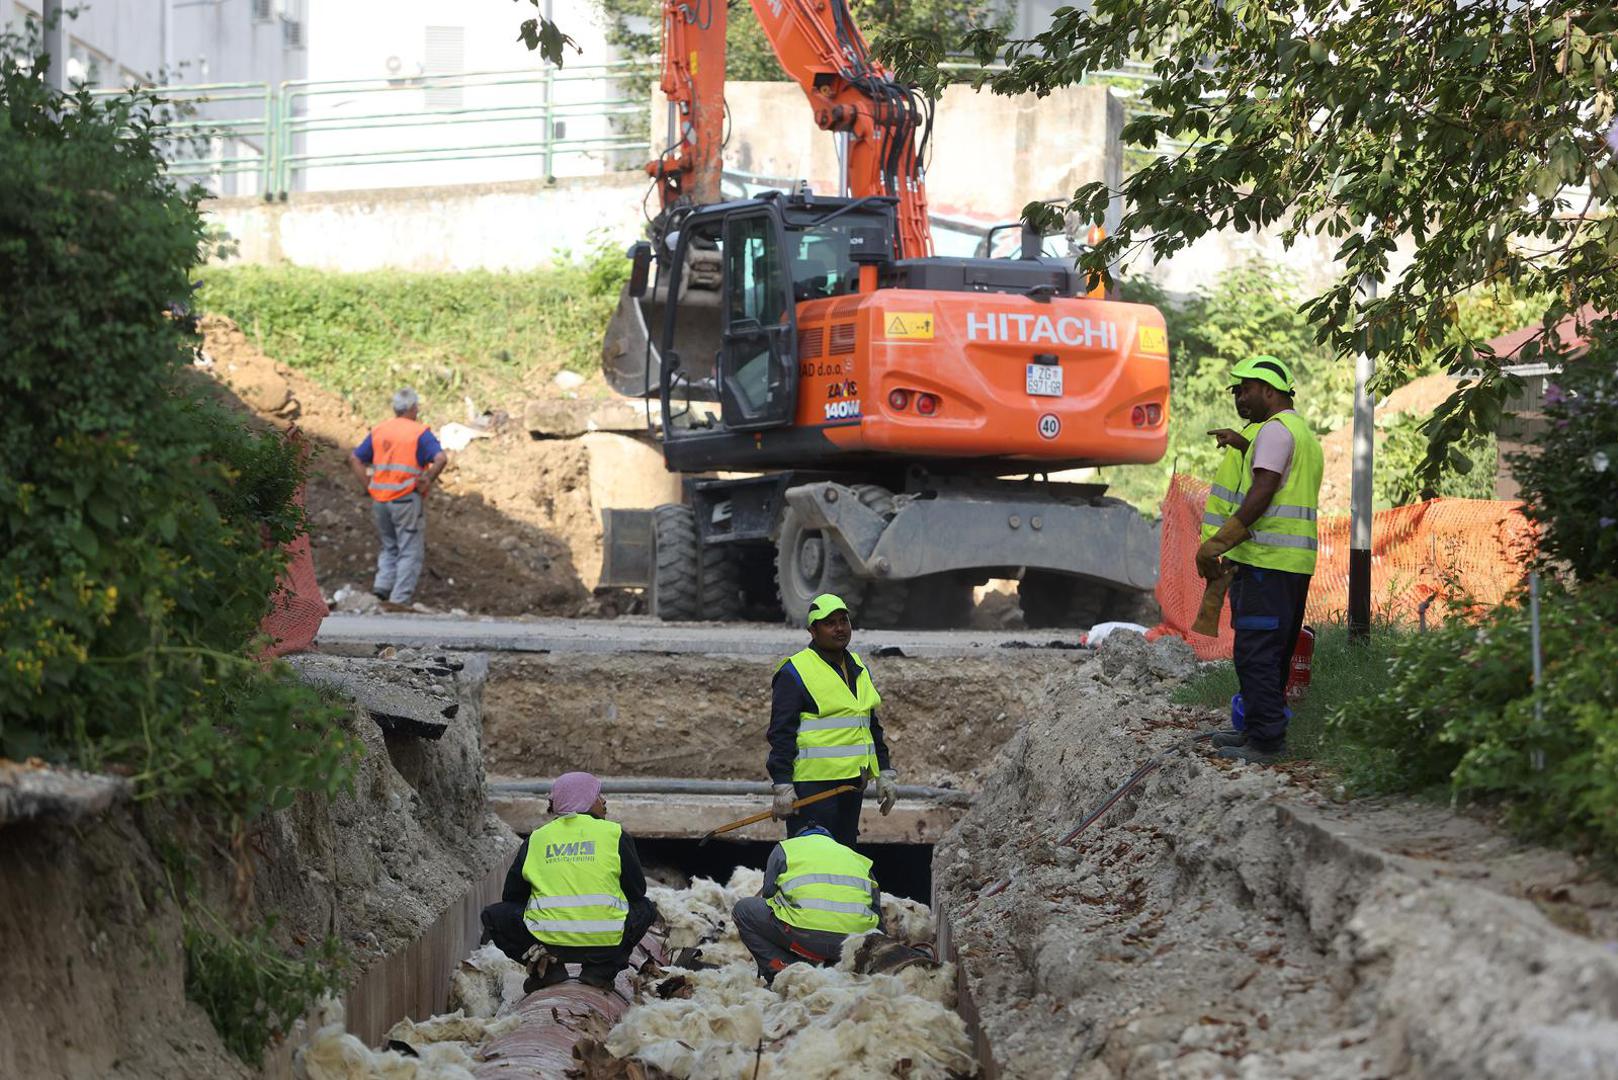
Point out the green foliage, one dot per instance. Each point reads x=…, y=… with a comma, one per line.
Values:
x=1341, y=670
x=1570, y=480
x=1459, y=710
x=476, y=333
x=140, y=528
x=1460, y=128
x=1399, y=479
x=635, y=28
x=250, y=989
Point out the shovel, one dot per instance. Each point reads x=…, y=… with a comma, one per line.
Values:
x=805, y=801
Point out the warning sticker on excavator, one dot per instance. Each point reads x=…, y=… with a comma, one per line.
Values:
x=909, y=325
x=1153, y=339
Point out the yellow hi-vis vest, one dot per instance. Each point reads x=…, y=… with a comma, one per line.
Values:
x=572, y=872
x=1222, y=498
x=825, y=886
x=834, y=743
x=1286, y=537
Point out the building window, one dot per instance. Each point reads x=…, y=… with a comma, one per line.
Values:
x=446, y=55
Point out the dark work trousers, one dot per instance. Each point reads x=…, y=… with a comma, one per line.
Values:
x=1266, y=610
x=839, y=815
x=505, y=927
x=774, y=944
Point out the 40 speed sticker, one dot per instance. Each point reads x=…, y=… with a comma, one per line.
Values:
x=1050, y=426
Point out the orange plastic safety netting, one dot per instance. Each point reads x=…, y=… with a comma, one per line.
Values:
x=297, y=608
x=1433, y=552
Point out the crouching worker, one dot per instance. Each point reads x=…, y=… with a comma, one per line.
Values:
x=575, y=893
x=816, y=894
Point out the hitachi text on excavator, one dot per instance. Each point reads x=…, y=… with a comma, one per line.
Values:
x=885, y=419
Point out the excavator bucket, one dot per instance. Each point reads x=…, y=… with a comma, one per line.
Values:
x=628, y=355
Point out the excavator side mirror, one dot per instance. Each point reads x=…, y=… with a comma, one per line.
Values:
x=640, y=268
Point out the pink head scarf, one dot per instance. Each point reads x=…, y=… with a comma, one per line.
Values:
x=574, y=793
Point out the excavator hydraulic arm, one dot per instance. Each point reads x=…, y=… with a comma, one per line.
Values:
x=823, y=51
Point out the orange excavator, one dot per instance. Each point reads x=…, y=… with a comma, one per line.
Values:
x=885, y=420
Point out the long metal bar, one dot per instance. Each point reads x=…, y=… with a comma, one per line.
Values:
x=666, y=785
x=450, y=153
x=309, y=123
x=384, y=121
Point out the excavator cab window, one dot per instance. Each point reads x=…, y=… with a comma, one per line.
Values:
x=756, y=359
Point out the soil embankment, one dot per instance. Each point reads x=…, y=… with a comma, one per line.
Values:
x=92, y=924
x=643, y=714
x=1229, y=921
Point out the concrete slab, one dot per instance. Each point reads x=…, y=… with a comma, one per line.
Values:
x=404, y=698
x=35, y=791
x=645, y=634
x=688, y=817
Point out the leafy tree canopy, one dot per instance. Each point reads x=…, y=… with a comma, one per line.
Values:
x=1469, y=134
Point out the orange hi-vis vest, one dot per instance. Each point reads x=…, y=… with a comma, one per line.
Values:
x=393, y=458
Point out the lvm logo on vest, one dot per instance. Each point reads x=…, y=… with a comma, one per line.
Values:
x=1030, y=329
x=578, y=849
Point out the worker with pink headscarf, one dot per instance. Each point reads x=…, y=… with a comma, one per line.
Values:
x=575, y=893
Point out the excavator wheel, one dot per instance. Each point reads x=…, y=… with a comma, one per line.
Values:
x=808, y=564
x=884, y=603
x=677, y=578
x=719, y=593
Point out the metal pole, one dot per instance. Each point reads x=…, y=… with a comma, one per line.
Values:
x=1359, y=549
x=56, y=45
x=1536, y=756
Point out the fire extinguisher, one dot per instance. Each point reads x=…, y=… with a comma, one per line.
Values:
x=1303, y=654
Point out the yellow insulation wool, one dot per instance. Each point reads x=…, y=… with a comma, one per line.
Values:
x=334, y=1054
x=487, y=984
x=829, y=1023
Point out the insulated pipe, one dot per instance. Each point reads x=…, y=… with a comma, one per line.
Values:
x=674, y=786
x=554, y=1018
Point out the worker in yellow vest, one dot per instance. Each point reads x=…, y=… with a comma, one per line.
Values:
x=575, y=893
x=397, y=463
x=824, y=731
x=1267, y=527
x=816, y=894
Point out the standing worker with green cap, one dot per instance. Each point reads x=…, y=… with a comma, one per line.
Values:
x=1267, y=527
x=824, y=731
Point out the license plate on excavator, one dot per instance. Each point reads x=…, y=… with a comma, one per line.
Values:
x=1044, y=380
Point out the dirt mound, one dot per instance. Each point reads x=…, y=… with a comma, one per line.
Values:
x=1226, y=921
x=1420, y=396
x=505, y=520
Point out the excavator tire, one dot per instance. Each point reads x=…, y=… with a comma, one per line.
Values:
x=719, y=593
x=884, y=603
x=677, y=578
x=806, y=565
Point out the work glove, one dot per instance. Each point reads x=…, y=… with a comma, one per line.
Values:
x=1231, y=533
x=887, y=790
x=785, y=796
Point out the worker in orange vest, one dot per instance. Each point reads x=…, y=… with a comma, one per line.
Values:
x=397, y=463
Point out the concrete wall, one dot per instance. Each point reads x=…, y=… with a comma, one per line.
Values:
x=511, y=226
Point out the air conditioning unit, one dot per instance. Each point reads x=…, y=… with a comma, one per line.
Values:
x=263, y=10
x=292, y=33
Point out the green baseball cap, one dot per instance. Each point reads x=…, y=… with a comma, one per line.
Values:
x=824, y=605
x=1265, y=369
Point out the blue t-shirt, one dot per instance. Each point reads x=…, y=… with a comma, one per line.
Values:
x=427, y=448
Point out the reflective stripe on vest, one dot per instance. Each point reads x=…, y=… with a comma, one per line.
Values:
x=834, y=743
x=1287, y=537
x=394, y=467
x=1224, y=494
x=825, y=886
x=572, y=872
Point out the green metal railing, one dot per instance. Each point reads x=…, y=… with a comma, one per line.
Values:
x=271, y=144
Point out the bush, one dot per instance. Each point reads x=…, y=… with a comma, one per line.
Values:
x=1459, y=711
x=477, y=333
x=140, y=527
x=1570, y=478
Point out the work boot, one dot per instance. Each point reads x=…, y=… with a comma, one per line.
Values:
x=600, y=978
x=389, y=605
x=1254, y=754
x=1228, y=737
